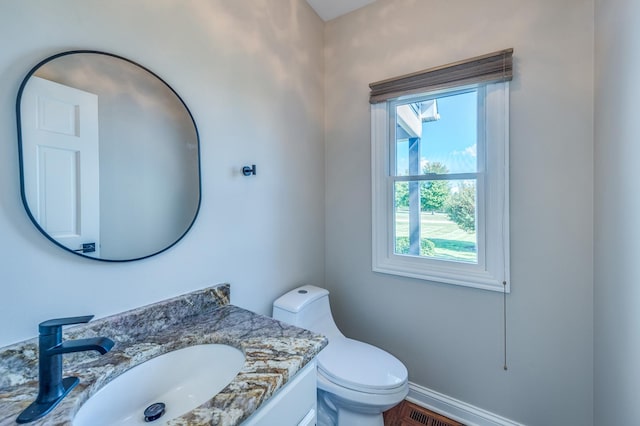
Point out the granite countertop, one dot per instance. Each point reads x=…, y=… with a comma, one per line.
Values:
x=274, y=352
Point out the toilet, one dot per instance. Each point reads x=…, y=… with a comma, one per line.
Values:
x=357, y=382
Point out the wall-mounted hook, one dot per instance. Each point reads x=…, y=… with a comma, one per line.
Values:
x=248, y=171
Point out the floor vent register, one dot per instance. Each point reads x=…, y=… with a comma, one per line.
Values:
x=408, y=414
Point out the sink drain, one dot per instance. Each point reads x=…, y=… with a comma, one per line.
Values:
x=154, y=411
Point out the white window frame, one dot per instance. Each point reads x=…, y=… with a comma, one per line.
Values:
x=491, y=272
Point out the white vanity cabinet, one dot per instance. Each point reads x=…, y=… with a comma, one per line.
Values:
x=293, y=405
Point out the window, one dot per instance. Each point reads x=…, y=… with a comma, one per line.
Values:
x=440, y=177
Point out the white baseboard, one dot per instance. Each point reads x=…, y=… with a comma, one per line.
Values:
x=455, y=409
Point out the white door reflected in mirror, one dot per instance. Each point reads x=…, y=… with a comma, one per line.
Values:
x=61, y=162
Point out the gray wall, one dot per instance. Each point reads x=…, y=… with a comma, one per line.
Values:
x=617, y=231
x=252, y=75
x=451, y=337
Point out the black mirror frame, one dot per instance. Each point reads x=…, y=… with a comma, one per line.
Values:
x=21, y=162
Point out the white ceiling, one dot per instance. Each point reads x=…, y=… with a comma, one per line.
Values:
x=329, y=9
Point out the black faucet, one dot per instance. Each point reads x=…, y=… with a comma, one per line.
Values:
x=52, y=388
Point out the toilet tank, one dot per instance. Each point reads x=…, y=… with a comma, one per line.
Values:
x=307, y=307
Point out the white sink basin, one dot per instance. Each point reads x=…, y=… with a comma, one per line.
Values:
x=182, y=380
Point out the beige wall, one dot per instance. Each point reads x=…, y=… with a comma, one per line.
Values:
x=451, y=337
x=252, y=75
x=617, y=231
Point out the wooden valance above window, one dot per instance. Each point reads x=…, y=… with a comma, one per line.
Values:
x=491, y=68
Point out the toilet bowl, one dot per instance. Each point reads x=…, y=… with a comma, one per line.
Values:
x=356, y=381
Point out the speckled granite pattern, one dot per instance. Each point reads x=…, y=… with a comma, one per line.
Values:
x=274, y=353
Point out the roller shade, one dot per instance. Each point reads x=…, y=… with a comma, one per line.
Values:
x=490, y=68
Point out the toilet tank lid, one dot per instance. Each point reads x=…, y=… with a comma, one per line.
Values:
x=298, y=298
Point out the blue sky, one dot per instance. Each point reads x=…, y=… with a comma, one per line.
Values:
x=451, y=140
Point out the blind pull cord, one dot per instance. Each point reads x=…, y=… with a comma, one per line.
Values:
x=504, y=312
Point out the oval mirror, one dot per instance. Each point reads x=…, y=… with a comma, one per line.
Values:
x=109, y=156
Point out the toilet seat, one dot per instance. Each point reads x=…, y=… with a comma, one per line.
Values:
x=361, y=367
